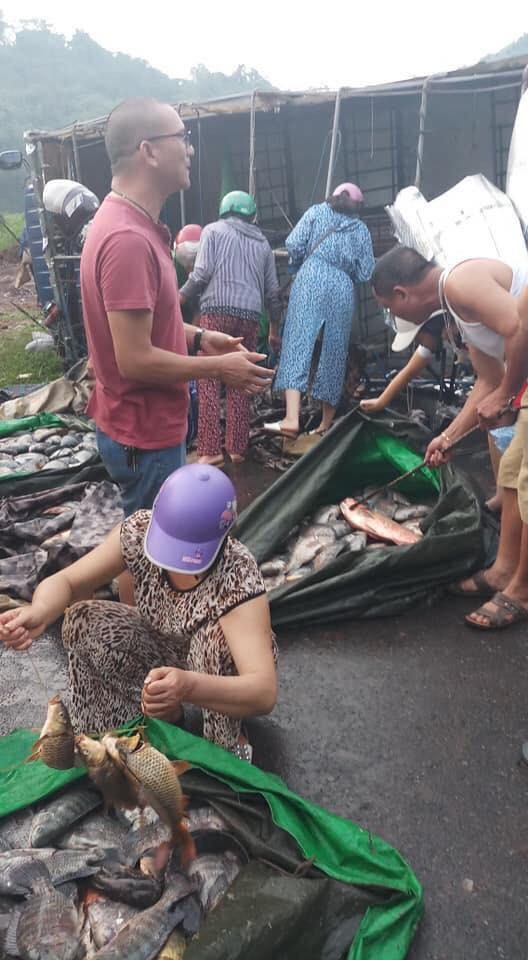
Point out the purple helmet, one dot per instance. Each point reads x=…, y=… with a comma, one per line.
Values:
x=191, y=517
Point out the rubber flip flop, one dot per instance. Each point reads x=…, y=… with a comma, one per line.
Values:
x=278, y=430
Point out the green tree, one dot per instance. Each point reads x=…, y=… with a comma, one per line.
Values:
x=48, y=82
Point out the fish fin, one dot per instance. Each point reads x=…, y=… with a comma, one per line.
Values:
x=35, y=751
x=180, y=766
x=135, y=741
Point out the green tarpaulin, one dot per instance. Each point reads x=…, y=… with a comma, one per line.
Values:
x=339, y=848
x=9, y=427
x=360, y=452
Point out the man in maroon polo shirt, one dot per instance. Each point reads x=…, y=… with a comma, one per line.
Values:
x=137, y=341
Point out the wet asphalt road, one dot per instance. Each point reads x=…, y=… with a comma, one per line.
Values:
x=412, y=727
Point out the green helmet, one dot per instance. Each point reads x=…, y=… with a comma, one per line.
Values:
x=238, y=202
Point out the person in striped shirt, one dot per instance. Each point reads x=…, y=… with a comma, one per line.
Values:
x=236, y=278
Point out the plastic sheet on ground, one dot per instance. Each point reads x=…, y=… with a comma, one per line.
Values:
x=328, y=889
x=360, y=452
x=46, y=531
x=66, y=394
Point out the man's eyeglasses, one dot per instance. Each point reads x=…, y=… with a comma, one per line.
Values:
x=184, y=135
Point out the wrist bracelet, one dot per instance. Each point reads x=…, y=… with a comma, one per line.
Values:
x=197, y=341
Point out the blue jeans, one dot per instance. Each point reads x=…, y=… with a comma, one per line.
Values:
x=139, y=473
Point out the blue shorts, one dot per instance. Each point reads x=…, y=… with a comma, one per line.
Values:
x=139, y=474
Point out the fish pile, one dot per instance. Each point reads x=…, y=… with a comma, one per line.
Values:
x=114, y=868
x=336, y=530
x=47, y=448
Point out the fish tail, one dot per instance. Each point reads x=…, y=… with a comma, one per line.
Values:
x=91, y=896
x=182, y=839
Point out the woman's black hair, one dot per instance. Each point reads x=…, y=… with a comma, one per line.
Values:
x=343, y=204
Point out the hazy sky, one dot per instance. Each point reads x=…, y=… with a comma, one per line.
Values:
x=295, y=45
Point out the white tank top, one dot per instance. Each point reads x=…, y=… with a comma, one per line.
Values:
x=478, y=334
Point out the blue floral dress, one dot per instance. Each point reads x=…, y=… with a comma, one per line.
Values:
x=323, y=295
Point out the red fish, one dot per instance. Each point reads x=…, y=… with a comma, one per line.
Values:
x=376, y=525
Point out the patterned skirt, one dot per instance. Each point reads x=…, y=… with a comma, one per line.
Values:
x=110, y=652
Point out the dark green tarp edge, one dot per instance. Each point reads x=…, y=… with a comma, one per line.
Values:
x=340, y=848
x=357, y=452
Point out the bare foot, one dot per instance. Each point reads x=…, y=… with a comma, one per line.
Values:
x=213, y=461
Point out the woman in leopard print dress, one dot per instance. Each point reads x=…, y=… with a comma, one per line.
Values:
x=201, y=638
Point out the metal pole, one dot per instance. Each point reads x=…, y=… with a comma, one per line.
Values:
x=182, y=208
x=333, y=144
x=421, y=133
x=252, y=126
x=76, y=158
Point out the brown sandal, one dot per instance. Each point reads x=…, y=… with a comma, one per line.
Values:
x=508, y=613
x=484, y=589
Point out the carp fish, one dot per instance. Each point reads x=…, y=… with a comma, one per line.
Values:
x=56, y=744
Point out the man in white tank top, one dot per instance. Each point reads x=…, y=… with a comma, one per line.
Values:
x=481, y=297
x=486, y=300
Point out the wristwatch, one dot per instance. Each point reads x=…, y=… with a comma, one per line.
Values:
x=197, y=341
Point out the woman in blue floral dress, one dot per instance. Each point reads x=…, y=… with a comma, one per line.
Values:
x=331, y=248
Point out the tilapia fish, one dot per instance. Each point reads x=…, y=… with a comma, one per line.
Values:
x=412, y=512
x=15, y=829
x=129, y=886
x=355, y=542
x=213, y=875
x=105, y=833
x=309, y=544
x=274, y=567
x=57, y=817
x=144, y=935
x=327, y=514
x=19, y=874
x=205, y=818
x=49, y=927
x=9, y=929
x=329, y=553
x=56, y=744
x=340, y=528
x=106, y=918
x=62, y=865
x=376, y=525
x=38, y=451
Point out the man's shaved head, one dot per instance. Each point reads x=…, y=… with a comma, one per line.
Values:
x=131, y=122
